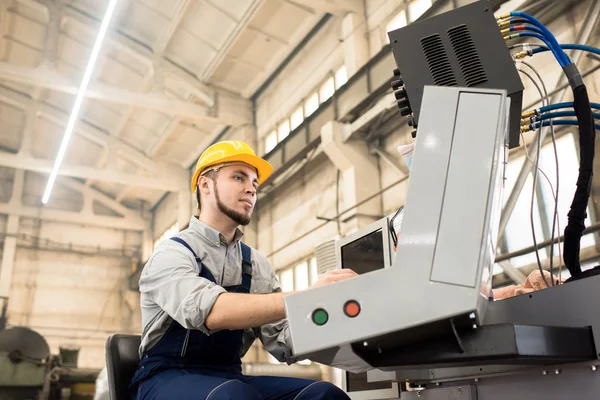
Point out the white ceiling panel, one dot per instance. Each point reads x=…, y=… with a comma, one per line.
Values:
x=16, y=87
x=36, y=14
x=184, y=138
x=63, y=198
x=73, y=52
x=120, y=75
x=143, y=23
x=101, y=114
x=12, y=121
x=255, y=49
x=21, y=55
x=46, y=141
x=60, y=101
x=149, y=195
x=137, y=135
x=28, y=32
x=133, y=63
x=188, y=50
x=165, y=8
x=278, y=19
x=235, y=8
x=209, y=23
x=152, y=121
x=233, y=75
x=109, y=189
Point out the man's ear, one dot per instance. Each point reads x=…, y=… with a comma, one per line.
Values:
x=204, y=184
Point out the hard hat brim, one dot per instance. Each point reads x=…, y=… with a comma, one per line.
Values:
x=263, y=168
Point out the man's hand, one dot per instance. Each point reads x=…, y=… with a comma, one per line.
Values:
x=241, y=311
x=334, y=275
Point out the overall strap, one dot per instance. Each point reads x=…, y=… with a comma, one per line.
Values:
x=203, y=272
x=246, y=266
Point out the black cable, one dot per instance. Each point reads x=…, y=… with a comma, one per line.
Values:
x=535, y=173
x=587, y=136
x=555, y=214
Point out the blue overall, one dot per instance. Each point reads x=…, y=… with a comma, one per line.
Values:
x=188, y=364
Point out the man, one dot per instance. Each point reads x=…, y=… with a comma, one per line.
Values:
x=205, y=296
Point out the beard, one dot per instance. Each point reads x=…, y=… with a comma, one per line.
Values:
x=239, y=218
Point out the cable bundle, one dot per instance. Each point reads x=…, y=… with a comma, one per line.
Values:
x=527, y=26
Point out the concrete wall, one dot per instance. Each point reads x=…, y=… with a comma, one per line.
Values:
x=70, y=285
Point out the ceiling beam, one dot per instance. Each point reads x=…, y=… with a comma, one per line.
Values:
x=98, y=196
x=165, y=36
x=30, y=163
x=121, y=41
x=143, y=53
x=58, y=117
x=233, y=36
x=337, y=7
x=48, y=78
x=78, y=218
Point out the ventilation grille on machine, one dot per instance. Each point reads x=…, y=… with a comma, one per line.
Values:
x=325, y=254
x=437, y=60
x=468, y=59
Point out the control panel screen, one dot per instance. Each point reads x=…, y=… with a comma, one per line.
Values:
x=364, y=254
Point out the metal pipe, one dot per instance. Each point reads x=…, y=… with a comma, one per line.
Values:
x=530, y=249
x=589, y=24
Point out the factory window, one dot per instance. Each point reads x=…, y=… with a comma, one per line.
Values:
x=416, y=8
x=341, y=77
x=518, y=230
x=287, y=280
x=327, y=90
x=296, y=118
x=284, y=130
x=397, y=22
x=172, y=231
x=301, y=278
x=314, y=275
x=311, y=104
x=270, y=141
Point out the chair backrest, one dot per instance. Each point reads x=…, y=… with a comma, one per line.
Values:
x=121, y=363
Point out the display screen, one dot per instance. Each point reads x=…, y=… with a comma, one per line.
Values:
x=364, y=255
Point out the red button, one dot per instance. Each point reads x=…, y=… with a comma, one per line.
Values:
x=352, y=308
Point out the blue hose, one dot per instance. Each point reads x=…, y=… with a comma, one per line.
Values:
x=567, y=104
x=581, y=47
x=552, y=115
x=563, y=59
x=555, y=122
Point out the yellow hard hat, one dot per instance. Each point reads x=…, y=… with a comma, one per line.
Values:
x=228, y=152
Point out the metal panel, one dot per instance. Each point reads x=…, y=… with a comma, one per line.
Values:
x=380, y=292
x=470, y=170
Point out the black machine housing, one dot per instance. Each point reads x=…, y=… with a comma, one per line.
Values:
x=460, y=48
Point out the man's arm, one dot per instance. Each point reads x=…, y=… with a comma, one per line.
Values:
x=242, y=311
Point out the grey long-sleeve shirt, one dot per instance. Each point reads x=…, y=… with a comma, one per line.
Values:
x=172, y=290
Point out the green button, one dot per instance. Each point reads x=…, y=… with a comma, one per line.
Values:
x=320, y=316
